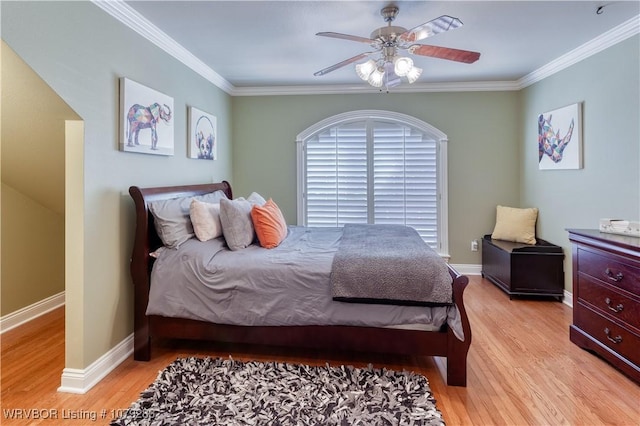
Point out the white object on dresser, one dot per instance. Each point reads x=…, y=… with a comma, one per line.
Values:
x=621, y=227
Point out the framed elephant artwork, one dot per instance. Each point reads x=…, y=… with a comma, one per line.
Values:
x=146, y=119
x=560, y=138
x=203, y=143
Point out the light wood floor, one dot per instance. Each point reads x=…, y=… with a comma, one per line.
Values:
x=522, y=370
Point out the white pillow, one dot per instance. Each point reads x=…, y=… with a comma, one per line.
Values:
x=205, y=218
x=256, y=199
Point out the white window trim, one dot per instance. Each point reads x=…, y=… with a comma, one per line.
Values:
x=436, y=134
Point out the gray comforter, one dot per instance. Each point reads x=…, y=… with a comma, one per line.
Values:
x=287, y=285
x=389, y=264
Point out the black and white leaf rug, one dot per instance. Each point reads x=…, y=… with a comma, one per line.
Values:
x=215, y=391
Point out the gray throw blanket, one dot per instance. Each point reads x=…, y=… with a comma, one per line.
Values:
x=388, y=264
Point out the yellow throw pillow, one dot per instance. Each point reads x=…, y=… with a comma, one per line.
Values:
x=517, y=225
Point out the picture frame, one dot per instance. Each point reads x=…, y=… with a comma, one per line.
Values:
x=146, y=119
x=560, y=138
x=203, y=128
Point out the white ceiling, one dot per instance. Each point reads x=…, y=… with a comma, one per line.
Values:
x=273, y=43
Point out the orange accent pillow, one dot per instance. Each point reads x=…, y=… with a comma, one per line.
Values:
x=269, y=223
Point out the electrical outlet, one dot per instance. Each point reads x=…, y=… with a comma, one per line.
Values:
x=474, y=245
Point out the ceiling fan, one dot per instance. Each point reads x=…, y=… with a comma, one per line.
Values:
x=387, y=68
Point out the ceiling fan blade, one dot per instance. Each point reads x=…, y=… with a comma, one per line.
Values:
x=347, y=37
x=342, y=64
x=449, y=53
x=431, y=28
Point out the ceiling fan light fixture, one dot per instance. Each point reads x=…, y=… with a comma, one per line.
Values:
x=402, y=65
x=365, y=69
x=413, y=74
x=376, y=78
x=388, y=68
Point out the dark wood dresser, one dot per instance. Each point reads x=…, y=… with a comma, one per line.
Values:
x=606, y=297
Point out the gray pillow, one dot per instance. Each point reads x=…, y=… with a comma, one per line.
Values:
x=237, y=227
x=171, y=217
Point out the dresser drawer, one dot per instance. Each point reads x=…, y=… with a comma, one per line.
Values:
x=609, y=302
x=618, y=339
x=610, y=270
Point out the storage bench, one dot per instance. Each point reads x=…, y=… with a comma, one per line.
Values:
x=524, y=269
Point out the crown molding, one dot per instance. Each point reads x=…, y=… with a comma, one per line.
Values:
x=620, y=33
x=478, y=86
x=134, y=20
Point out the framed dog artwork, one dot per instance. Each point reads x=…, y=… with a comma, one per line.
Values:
x=203, y=144
x=146, y=122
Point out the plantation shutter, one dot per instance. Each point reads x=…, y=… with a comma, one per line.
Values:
x=337, y=176
x=404, y=179
x=372, y=171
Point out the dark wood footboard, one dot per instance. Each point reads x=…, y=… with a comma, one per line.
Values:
x=442, y=343
x=457, y=350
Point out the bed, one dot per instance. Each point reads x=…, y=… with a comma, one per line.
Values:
x=450, y=340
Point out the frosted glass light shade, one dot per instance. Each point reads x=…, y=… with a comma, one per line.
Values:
x=402, y=66
x=376, y=78
x=365, y=69
x=414, y=74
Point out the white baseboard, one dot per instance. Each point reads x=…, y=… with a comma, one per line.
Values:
x=467, y=269
x=28, y=313
x=470, y=269
x=80, y=381
x=568, y=299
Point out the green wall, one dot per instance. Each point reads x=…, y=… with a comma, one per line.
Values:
x=81, y=52
x=483, y=149
x=608, y=86
x=492, y=148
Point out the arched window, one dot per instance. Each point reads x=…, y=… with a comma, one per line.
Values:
x=374, y=167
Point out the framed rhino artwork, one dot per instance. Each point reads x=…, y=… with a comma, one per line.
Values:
x=146, y=119
x=560, y=138
x=203, y=144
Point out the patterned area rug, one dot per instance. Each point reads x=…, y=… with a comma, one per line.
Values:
x=206, y=391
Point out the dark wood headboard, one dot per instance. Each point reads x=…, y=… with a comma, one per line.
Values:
x=146, y=239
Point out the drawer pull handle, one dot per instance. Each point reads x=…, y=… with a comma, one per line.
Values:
x=617, y=339
x=613, y=277
x=618, y=308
